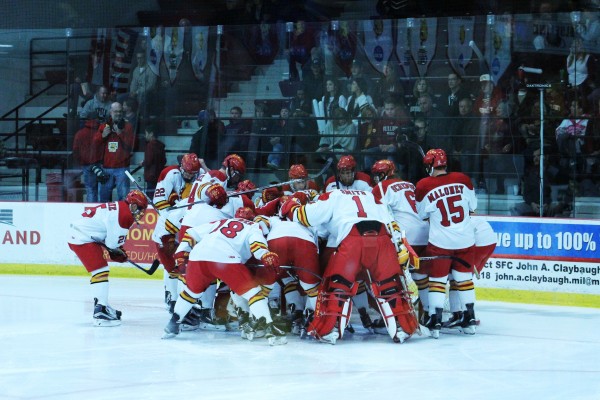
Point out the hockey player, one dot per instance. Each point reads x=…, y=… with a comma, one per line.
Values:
x=308, y=187
x=399, y=197
x=358, y=223
x=105, y=226
x=296, y=246
x=447, y=199
x=174, y=184
x=219, y=250
x=485, y=244
x=348, y=177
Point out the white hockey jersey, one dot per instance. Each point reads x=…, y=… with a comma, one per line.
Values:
x=108, y=223
x=340, y=210
x=484, y=234
x=399, y=197
x=447, y=200
x=226, y=241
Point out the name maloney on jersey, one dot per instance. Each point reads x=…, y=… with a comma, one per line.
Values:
x=444, y=191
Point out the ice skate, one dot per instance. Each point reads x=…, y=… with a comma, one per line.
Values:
x=173, y=328
x=365, y=318
x=297, y=322
x=330, y=338
x=469, y=323
x=208, y=320
x=274, y=335
x=435, y=323
x=454, y=321
x=105, y=315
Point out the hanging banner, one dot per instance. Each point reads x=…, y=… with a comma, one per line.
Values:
x=378, y=42
x=460, y=33
x=199, y=50
x=99, y=63
x=498, y=38
x=173, y=50
x=423, y=42
x=549, y=34
x=403, y=42
x=123, y=51
x=155, y=49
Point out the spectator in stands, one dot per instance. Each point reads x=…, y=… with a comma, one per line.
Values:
x=205, y=140
x=258, y=143
x=117, y=140
x=409, y=152
x=345, y=48
x=301, y=43
x=383, y=144
x=498, y=145
x=143, y=83
x=235, y=139
x=98, y=107
x=358, y=98
x=333, y=98
x=529, y=129
x=464, y=133
x=154, y=161
x=456, y=92
x=530, y=188
x=571, y=138
x=300, y=103
x=86, y=154
x=280, y=139
x=420, y=88
x=367, y=130
x=263, y=43
x=436, y=123
x=130, y=109
x=357, y=70
x=340, y=134
x=314, y=81
x=580, y=69
x=389, y=84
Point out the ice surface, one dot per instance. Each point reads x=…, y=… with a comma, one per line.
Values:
x=50, y=350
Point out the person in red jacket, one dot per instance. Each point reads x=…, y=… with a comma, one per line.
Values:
x=155, y=160
x=87, y=155
x=117, y=140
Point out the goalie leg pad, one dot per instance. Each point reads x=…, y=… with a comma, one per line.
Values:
x=333, y=307
x=396, y=308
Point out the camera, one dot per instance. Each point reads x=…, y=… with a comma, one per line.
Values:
x=403, y=133
x=120, y=124
x=99, y=172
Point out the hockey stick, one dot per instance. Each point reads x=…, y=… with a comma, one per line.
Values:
x=291, y=268
x=404, y=139
x=149, y=271
x=261, y=188
x=132, y=179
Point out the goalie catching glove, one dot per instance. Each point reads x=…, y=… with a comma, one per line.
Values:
x=118, y=254
x=271, y=262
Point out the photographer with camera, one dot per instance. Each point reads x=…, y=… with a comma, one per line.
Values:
x=117, y=140
x=88, y=156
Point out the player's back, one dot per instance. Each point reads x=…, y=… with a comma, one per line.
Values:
x=447, y=201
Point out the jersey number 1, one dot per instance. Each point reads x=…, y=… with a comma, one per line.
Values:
x=361, y=210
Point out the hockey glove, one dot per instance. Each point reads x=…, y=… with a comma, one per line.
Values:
x=287, y=208
x=402, y=256
x=271, y=262
x=118, y=254
x=181, y=260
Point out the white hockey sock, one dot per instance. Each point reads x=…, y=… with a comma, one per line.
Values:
x=291, y=293
x=99, y=283
x=258, y=304
x=465, y=286
x=207, y=299
x=184, y=304
x=437, y=293
x=240, y=302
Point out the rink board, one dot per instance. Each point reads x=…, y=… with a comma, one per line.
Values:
x=547, y=261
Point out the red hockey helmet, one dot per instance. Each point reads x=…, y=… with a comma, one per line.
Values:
x=190, y=165
x=236, y=163
x=297, y=171
x=245, y=185
x=383, y=167
x=435, y=158
x=137, y=197
x=245, y=213
x=346, y=163
x=217, y=196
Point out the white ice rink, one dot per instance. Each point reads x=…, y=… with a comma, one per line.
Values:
x=50, y=350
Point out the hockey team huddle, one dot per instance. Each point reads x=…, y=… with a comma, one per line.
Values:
x=353, y=245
